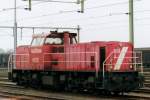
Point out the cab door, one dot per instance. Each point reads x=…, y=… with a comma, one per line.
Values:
x=102, y=56
x=36, y=53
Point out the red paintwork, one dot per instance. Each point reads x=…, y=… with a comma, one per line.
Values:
x=76, y=57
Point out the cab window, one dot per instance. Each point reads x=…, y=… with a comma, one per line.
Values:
x=73, y=40
x=37, y=41
x=53, y=40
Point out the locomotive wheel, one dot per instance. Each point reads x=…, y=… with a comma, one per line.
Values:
x=19, y=79
x=34, y=84
x=19, y=83
x=35, y=81
x=116, y=93
x=106, y=92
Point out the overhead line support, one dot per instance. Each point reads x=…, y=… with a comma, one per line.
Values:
x=131, y=22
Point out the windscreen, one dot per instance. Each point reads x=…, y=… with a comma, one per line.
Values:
x=53, y=40
x=37, y=41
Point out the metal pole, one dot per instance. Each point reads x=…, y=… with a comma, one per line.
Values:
x=15, y=31
x=78, y=33
x=28, y=27
x=29, y=5
x=21, y=33
x=82, y=6
x=33, y=31
x=131, y=22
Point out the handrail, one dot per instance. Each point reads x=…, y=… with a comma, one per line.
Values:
x=10, y=64
x=136, y=61
x=11, y=61
x=77, y=61
x=104, y=66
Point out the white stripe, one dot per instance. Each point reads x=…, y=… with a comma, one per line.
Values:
x=120, y=58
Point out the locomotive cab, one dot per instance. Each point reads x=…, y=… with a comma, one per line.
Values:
x=54, y=38
x=51, y=47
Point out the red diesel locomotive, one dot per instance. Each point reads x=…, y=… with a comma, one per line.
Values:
x=58, y=60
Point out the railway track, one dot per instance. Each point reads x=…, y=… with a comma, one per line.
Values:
x=14, y=91
x=11, y=90
x=28, y=93
x=28, y=96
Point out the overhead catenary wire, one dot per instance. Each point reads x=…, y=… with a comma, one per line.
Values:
x=43, y=1
x=92, y=25
x=98, y=17
x=63, y=12
x=28, y=27
x=23, y=6
x=71, y=11
x=56, y=1
x=36, y=17
x=102, y=16
x=110, y=14
x=88, y=18
x=91, y=28
x=91, y=17
x=19, y=7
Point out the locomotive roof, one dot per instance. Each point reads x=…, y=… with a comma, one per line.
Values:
x=53, y=33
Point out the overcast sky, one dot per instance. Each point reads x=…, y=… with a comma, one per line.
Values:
x=102, y=20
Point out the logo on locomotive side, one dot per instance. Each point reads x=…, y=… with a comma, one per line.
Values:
x=121, y=58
